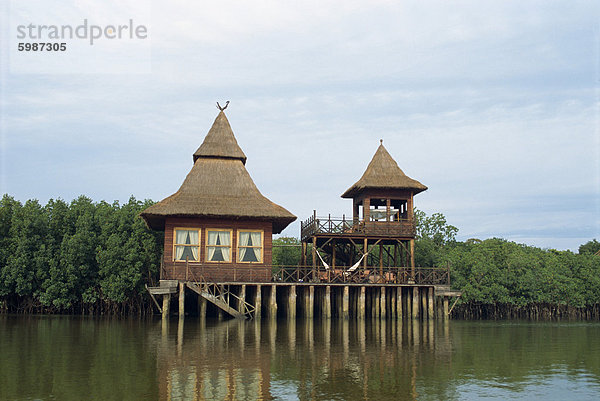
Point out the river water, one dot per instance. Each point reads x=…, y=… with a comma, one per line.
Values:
x=66, y=358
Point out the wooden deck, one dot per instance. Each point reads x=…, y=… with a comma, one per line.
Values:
x=306, y=274
x=328, y=226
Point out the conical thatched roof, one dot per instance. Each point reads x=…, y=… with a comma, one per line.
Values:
x=220, y=142
x=383, y=173
x=218, y=186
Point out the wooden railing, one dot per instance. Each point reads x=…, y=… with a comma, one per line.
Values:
x=307, y=274
x=371, y=275
x=327, y=225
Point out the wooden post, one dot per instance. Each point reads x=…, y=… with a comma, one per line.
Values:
x=430, y=303
x=181, y=299
x=383, y=312
x=346, y=303
x=381, y=264
x=412, y=259
x=445, y=307
x=201, y=307
x=303, y=254
x=399, y=303
x=258, y=302
x=376, y=302
x=291, y=312
x=273, y=302
x=333, y=254
x=424, y=303
x=361, y=304
x=242, y=298
x=310, y=301
x=366, y=244
x=327, y=303
x=392, y=301
x=314, y=252
x=166, y=306
x=415, y=303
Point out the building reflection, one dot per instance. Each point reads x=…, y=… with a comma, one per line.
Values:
x=299, y=359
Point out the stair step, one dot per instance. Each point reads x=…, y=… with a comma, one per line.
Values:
x=216, y=301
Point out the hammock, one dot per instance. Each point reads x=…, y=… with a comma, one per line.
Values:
x=355, y=266
x=322, y=261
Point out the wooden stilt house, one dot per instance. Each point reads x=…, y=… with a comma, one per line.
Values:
x=375, y=244
x=218, y=226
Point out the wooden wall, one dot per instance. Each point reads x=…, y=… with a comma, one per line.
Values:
x=219, y=271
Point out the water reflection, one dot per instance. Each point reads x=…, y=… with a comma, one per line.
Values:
x=73, y=359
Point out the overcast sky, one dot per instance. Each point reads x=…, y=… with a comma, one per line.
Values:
x=493, y=105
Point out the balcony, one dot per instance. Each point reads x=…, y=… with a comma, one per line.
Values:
x=314, y=225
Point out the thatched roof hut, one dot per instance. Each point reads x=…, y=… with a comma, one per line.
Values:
x=383, y=173
x=218, y=186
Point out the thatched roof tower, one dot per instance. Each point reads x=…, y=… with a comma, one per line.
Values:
x=383, y=173
x=218, y=186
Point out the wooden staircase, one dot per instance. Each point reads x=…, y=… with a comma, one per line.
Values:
x=218, y=298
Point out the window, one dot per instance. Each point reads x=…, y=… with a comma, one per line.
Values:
x=218, y=245
x=187, y=244
x=250, y=246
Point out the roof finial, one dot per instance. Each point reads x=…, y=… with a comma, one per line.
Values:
x=381, y=141
x=222, y=108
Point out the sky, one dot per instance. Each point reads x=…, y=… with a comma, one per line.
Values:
x=492, y=105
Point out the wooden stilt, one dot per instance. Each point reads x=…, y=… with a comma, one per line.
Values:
x=273, y=302
x=181, y=299
x=346, y=303
x=166, y=306
x=361, y=303
x=382, y=305
x=291, y=312
x=327, y=303
x=376, y=302
x=201, y=307
x=445, y=307
x=310, y=302
x=258, y=302
x=430, y=313
x=399, y=303
x=415, y=303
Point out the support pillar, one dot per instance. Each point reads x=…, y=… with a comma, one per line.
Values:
x=382, y=306
x=376, y=302
x=361, y=304
x=257, y=302
x=166, y=306
x=399, y=303
x=291, y=312
x=327, y=303
x=415, y=303
x=430, y=303
x=201, y=307
x=346, y=303
x=424, y=303
x=273, y=302
x=310, y=302
x=181, y=299
x=445, y=307
x=242, y=298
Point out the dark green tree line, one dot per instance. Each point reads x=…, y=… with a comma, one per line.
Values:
x=77, y=257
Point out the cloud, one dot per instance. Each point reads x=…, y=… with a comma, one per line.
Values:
x=491, y=105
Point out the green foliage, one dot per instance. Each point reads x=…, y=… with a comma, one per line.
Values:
x=83, y=255
x=500, y=271
x=433, y=234
x=286, y=251
x=592, y=247
x=76, y=255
